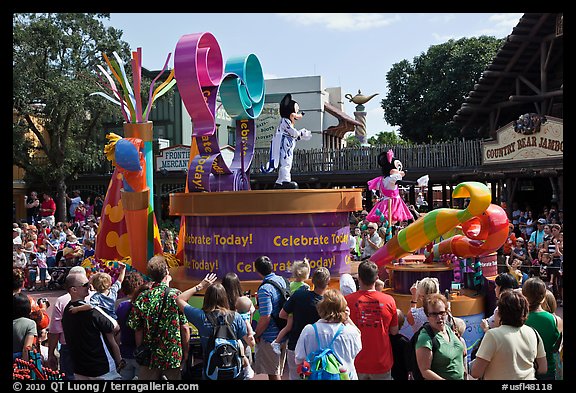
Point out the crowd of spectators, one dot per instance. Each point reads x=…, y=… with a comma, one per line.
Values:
x=364, y=317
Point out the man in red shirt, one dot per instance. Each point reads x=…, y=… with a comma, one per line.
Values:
x=47, y=209
x=375, y=315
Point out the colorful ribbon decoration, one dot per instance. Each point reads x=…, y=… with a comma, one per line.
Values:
x=484, y=234
x=198, y=70
x=435, y=223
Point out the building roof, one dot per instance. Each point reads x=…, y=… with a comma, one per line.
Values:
x=525, y=76
x=345, y=122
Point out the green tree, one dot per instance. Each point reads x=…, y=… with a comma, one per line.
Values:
x=424, y=95
x=54, y=65
x=352, y=140
x=387, y=138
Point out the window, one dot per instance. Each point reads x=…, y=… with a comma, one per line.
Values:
x=232, y=136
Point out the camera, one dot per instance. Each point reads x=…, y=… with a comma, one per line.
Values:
x=43, y=301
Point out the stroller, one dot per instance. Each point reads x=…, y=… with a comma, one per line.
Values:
x=57, y=277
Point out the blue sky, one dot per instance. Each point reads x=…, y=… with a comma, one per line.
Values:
x=354, y=51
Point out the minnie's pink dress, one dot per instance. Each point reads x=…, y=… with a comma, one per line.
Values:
x=389, y=191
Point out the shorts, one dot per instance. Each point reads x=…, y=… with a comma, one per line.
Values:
x=266, y=361
x=51, y=261
x=43, y=271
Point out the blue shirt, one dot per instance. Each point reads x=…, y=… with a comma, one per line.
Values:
x=106, y=302
x=197, y=317
x=269, y=303
x=537, y=237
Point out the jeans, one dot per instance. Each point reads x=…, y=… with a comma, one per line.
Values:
x=66, y=365
x=130, y=370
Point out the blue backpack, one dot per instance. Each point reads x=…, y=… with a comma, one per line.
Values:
x=222, y=357
x=324, y=363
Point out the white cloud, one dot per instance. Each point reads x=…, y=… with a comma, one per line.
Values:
x=501, y=24
x=441, y=18
x=441, y=38
x=343, y=22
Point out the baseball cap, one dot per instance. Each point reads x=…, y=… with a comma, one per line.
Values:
x=17, y=230
x=541, y=221
x=373, y=225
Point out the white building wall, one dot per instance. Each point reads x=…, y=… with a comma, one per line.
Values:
x=307, y=91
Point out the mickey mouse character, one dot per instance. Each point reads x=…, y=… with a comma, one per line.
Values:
x=284, y=142
x=391, y=206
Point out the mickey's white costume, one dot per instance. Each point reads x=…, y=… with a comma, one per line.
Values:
x=284, y=142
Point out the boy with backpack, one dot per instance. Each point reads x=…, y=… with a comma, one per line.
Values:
x=272, y=294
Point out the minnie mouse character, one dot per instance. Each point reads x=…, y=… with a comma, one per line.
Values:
x=390, y=205
x=283, y=143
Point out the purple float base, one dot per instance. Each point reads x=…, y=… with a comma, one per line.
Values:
x=232, y=244
x=403, y=280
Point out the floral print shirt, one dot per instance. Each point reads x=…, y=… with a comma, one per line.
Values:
x=166, y=341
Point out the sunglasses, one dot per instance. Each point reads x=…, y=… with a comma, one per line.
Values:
x=436, y=314
x=85, y=285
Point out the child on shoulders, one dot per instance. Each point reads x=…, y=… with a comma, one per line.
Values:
x=106, y=292
x=245, y=308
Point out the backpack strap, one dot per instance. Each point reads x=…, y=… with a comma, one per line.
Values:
x=432, y=334
x=340, y=329
x=276, y=285
x=338, y=332
x=217, y=319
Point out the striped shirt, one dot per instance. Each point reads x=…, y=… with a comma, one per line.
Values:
x=269, y=301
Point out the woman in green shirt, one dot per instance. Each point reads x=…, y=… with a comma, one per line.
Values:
x=447, y=362
x=534, y=289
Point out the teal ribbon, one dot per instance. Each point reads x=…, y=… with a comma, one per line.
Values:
x=242, y=89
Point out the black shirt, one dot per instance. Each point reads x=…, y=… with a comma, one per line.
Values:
x=84, y=333
x=400, y=345
x=32, y=211
x=302, y=304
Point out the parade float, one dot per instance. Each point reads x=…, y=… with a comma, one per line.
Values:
x=225, y=226
x=459, y=248
x=128, y=231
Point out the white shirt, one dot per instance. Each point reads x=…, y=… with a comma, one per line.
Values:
x=347, y=345
x=419, y=318
x=74, y=202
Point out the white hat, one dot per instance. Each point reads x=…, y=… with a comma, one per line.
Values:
x=17, y=230
x=347, y=284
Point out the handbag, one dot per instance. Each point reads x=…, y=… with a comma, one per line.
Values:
x=143, y=353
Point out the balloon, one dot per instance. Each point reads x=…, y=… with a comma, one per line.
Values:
x=439, y=221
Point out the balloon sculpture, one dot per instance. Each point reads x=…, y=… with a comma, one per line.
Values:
x=485, y=226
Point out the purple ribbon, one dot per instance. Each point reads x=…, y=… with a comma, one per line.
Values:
x=198, y=68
